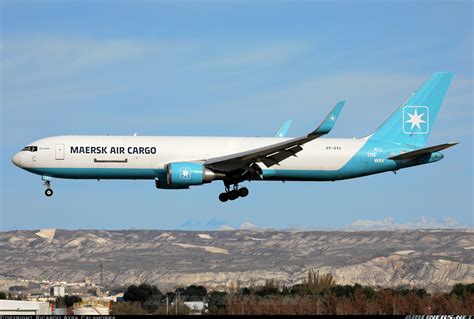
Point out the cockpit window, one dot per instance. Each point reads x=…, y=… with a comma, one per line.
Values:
x=30, y=149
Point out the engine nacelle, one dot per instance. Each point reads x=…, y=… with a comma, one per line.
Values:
x=184, y=174
x=163, y=184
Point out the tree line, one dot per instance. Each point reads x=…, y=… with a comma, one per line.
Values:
x=317, y=294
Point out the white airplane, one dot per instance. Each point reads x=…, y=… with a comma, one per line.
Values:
x=181, y=162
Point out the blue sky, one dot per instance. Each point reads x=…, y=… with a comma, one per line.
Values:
x=230, y=69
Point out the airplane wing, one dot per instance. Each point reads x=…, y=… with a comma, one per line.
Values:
x=273, y=154
x=283, y=129
x=408, y=156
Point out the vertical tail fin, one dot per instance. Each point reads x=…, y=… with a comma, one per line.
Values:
x=412, y=123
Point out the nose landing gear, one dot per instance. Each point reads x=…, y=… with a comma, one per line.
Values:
x=47, y=182
x=48, y=192
x=233, y=194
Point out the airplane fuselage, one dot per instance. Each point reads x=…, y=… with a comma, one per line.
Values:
x=178, y=162
x=146, y=157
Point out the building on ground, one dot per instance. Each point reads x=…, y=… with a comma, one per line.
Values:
x=20, y=307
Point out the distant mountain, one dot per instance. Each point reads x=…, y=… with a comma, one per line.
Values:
x=433, y=259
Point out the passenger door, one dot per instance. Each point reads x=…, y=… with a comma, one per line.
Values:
x=59, y=151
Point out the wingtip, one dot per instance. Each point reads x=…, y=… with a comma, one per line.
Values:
x=339, y=106
x=444, y=73
x=330, y=120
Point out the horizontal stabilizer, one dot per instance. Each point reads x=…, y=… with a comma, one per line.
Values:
x=423, y=151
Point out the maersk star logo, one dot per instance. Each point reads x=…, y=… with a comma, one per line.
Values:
x=185, y=173
x=415, y=119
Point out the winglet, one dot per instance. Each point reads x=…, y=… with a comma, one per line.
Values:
x=328, y=123
x=283, y=129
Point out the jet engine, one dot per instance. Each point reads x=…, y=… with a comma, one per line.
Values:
x=185, y=174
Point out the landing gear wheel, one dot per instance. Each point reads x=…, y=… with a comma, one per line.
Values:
x=47, y=182
x=223, y=197
x=233, y=195
x=244, y=191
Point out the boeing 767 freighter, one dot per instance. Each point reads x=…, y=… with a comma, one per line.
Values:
x=184, y=161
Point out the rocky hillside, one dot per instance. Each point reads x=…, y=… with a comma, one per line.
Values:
x=434, y=259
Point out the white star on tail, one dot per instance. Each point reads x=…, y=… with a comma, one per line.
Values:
x=415, y=120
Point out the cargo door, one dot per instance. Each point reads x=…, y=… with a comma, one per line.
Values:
x=59, y=151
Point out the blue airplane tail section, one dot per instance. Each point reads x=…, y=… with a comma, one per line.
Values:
x=413, y=122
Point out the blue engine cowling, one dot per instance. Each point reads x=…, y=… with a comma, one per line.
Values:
x=184, y=174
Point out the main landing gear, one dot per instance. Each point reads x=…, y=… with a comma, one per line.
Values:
x=233, y=194
x=47, y=182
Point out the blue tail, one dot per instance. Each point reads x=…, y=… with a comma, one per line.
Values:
x=412, y=123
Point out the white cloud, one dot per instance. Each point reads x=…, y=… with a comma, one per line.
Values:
x=226, y=227
x=259, y=54
x=48, y=57
x=389, y=224
x=49, y=71
x=54, y=71
x=244, y=225
x=248, y=225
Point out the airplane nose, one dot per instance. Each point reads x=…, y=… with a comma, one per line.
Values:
x=16, y=159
